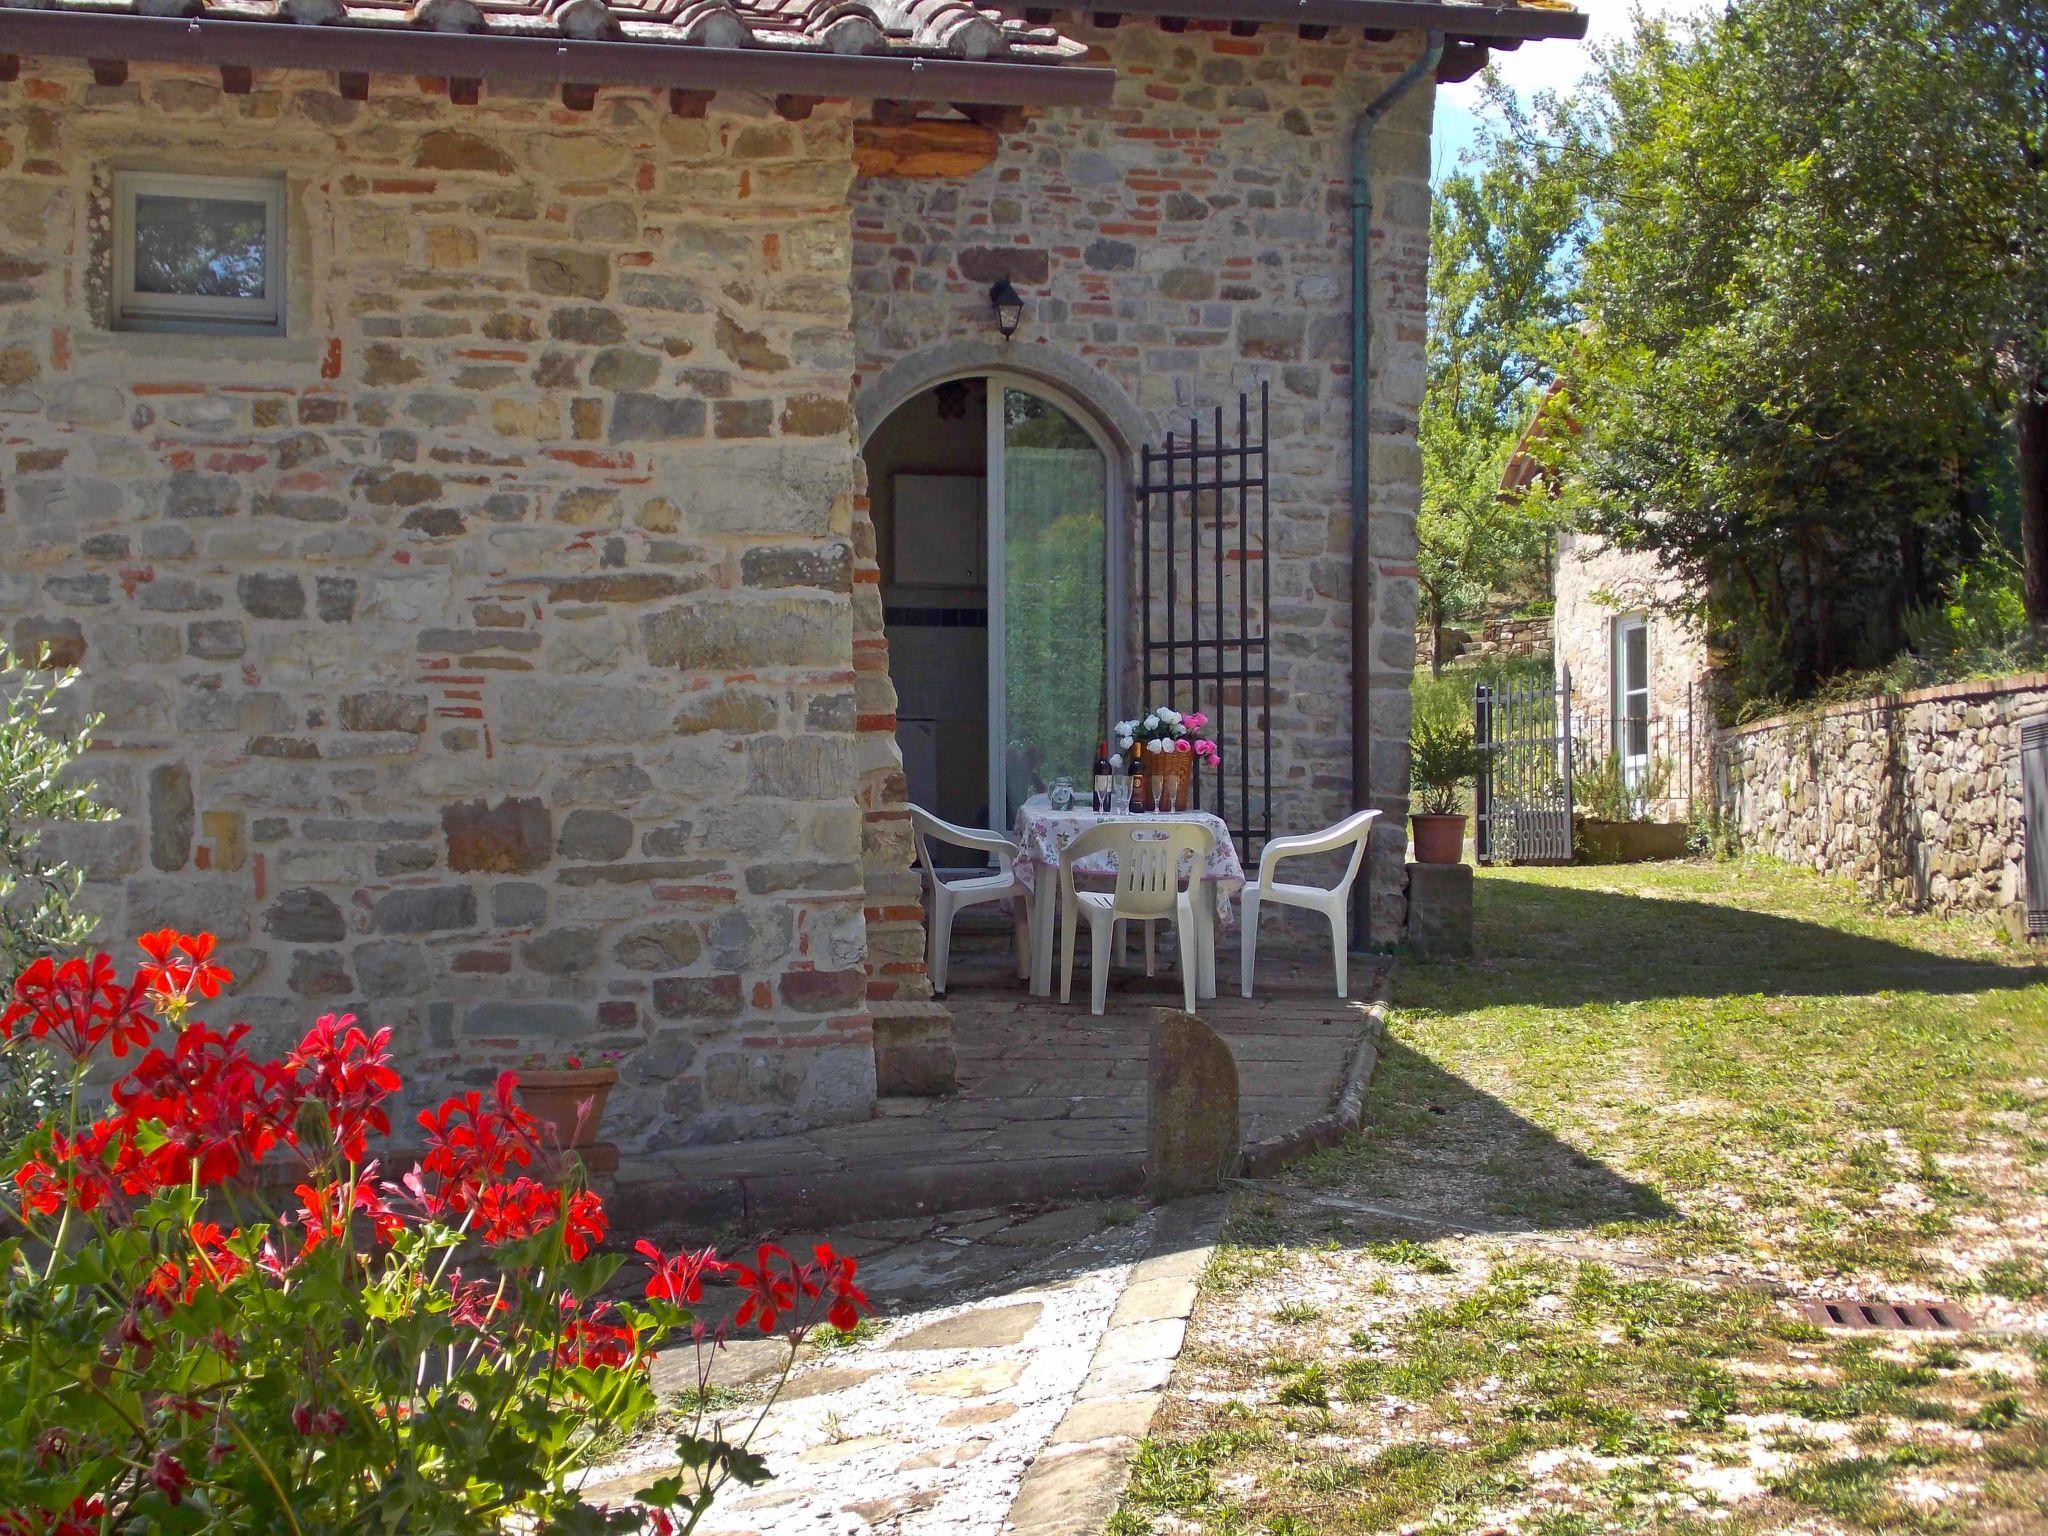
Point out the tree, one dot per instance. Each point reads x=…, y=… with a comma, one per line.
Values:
x=1804, y=301
x=1505, y=237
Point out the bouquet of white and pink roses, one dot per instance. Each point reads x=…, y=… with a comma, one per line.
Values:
x=1168, y=730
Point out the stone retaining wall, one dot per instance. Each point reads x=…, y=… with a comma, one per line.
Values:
x=480, y=656
x=1915, y=796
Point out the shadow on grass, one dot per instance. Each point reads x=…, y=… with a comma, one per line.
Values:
x=1443, y=1150
x=1559, y=946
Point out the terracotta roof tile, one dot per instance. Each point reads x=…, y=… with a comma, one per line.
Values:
x=949, y=29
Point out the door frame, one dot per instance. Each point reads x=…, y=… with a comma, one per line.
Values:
x=1112, y=569
x=1633, y=766
x=1115, y=490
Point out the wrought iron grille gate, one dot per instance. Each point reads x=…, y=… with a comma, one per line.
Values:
x=1204, y=594
x=1523, y=800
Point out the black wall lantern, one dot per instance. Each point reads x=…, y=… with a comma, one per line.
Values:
x=1009, y=307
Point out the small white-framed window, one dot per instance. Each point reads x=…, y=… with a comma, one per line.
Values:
x=1631, y=694
x=198, y=253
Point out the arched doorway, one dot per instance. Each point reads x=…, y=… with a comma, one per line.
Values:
x=994, y=500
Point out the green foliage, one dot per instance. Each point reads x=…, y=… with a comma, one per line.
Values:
x=38, y=915
x=1804, y=305
x=37, y=894
x=1604, y=788
x=1441, y=761
x=1505, y=232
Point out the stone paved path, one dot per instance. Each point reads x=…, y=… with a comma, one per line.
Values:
x=1020, y=1358
x=1051, y=1104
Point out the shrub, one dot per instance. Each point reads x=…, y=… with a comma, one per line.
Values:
x=1441, y=761
x=38, y=913
x=427, y=1354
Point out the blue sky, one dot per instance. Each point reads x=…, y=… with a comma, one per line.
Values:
x=1534, y=67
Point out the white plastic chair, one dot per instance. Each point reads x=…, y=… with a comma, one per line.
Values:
x=1148, y=890
x=948, y=897
x=1332, y=903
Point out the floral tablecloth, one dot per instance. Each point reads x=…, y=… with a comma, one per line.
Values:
x=1041, y=833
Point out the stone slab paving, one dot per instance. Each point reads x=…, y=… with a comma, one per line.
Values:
x=1051, y=1103
x=1021, y=1358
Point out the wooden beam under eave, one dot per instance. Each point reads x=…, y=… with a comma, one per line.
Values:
x=682, y=103
x=1244, y=29
x=237, y=79
x=1001, y=119
x=1461, y=61
x=1108, y=20
x=1039, y=16
x=793, y=108
x=1173, y=23
x=1312, y=32
x=108, y=71
x=893, y=114
x=925, y=149
x=578, y=96
x=354, y=84
x=10, y=66
x=465, y=93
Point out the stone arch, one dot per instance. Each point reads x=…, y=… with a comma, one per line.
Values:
x=1114, y=411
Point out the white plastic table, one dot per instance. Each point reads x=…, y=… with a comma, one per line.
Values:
x=1041, y=833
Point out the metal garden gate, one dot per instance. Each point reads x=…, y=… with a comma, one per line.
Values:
x=1523, y=800
x=1204, y=594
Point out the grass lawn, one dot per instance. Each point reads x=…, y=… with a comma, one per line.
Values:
x=1552, y=1290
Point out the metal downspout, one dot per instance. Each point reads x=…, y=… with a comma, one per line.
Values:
x=1361, y=451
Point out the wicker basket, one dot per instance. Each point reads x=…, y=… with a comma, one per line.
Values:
x=1170, y=776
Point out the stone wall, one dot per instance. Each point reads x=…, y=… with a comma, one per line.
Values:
x=1176, y=248
x=479, y=657
x=1915, y=796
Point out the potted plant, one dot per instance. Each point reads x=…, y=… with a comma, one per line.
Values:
x=567, y=1095
x=1613, y=806
x=1172, y=748
x=1441, y=761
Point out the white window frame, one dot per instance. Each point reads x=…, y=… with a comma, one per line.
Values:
x=1634, y=764
x=208, y=315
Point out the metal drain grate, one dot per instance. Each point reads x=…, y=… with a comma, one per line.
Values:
x=1922, y=1317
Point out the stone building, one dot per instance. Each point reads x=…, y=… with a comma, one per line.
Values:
x=445, y=434
x=1640, y=669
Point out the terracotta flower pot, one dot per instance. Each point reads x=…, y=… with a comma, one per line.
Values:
x=1172, y=778
x=1439, y=839
x=556, y=1098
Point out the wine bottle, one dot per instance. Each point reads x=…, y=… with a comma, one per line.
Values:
x=1102, y=778
x=1141, y=791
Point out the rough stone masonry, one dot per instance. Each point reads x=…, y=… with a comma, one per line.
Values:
x=498, y=654
x=480, y=656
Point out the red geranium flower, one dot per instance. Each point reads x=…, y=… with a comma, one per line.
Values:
x=218, y=1109
x=76, y=1173
x=75, y=1006
x=583, y=1223
x=470, y=1144
x=835, y=1272
x=195, y=972
x=765, y=1294
x=169, y=1477
x=679, y=1277
x=592, y=1342
x=350, y=1073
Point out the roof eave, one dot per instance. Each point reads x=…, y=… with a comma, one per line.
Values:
x=558, y=60
x=1491, y=23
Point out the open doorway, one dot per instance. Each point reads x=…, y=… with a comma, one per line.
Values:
x=991, y=499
